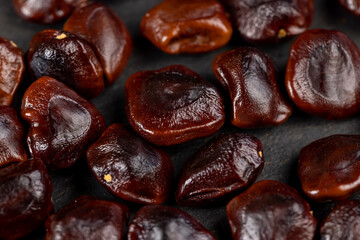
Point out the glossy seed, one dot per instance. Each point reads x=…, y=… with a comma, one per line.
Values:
x=45, y=11
x=173, y=105
x=342, y=222
x=270, y=210
x=88, y=218
x=264, y=21
x=322, y=74
x=12, y=137
x=129, y=167
x=161, y=222
x=25, y=199
x=62, y=123
x=329, y=168
x=249, y=76
x=228, y=163
x=352, y=6
x=67, y=58
x=106, y=33
x=12, y=68
x=187, y=26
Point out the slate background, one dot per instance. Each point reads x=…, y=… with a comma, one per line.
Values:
x=281, y=144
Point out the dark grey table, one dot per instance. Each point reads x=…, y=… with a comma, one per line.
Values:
x=281, y=144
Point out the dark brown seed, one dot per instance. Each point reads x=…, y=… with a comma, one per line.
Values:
x=25, y=199
x=228, y=163
x=160, y=222
x=187, y=26
x=88, y=218
x=107, y=34
x=329, y=168
x=250, y=78
x=173, y=105
x=129, y=167
x=343, y=222
x=12, y=68
x=270, y=21
x=62, y=124
x=67, y=58
x=270, y=210
x=12, y=137
x=323, y=74
x=45, y=11
x=352, y=6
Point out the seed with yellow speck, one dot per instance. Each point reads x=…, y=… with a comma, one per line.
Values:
x=12, y=43
x=260, y=153
x=61, y=36
x=282, y=33
x=107, y=178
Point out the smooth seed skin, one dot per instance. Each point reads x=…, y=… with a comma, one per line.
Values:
x=45, y=11
x=353, y=6
x=329, y=168
x=129, y=167
x=187, y=26
x=227, y=164
x=269, y=22
x=249, y=77
x=322, y=74
x=342, y=222
x=161, y=222
x=62, y=123
x=12, y=137
x=173, y=105
x=88, y=218
x=67, y=58
x=270, y=210
x=106, y=33
x=25, y=199
x=12, y=68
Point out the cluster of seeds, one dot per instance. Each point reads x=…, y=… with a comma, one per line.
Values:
x=170, y=106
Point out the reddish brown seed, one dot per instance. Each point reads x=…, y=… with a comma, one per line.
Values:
x=68, y=58
x=343, y=222
x=329, y=168
x=129, y=167
x=62, y=124
x=44, y=11
x=25, y=199
x=12, y=137
x=270, y=210
x=228, y=163
x=351, y=5
x=12, y=67
x=270, y=21
x=187, y=26
x=250, y=78
x=105, y=31
x=88, y=218
x=160, y=222
x=173, y=105
x=323, y=74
